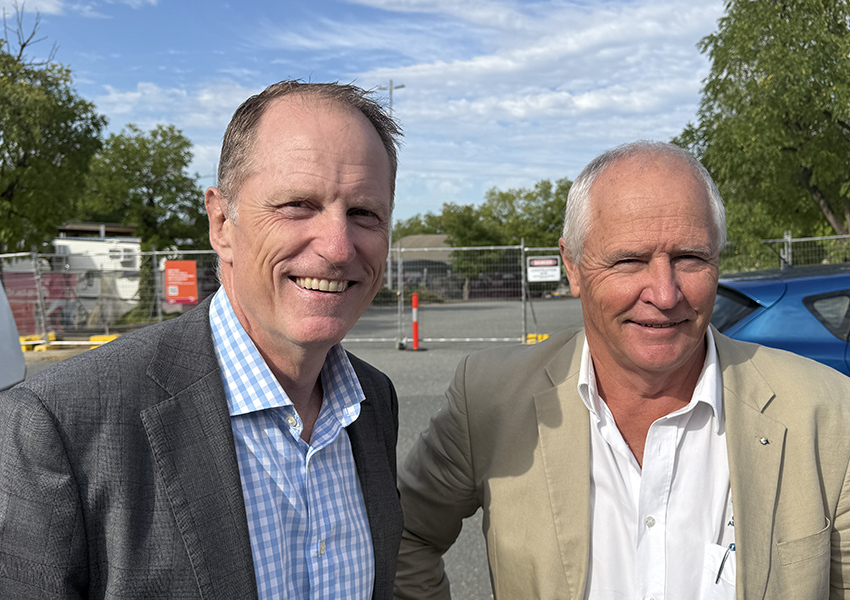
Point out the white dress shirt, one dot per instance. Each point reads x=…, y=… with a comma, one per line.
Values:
x=661, y=531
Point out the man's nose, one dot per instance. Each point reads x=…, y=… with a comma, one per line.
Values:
x=333, y=239
x=662, y=288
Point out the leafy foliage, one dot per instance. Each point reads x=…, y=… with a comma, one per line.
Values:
x=773, y=126
x=48, y=135
x=503, y=219
x=141, y=179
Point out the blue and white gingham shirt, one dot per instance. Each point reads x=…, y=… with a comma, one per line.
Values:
x=310, y=536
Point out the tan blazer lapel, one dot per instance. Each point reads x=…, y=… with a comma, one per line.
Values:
x=566, y=461
x=755, y=445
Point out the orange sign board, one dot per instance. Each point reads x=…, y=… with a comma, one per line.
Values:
x=181, y=282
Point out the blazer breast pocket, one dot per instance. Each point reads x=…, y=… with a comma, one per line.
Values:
x=805, y=548
x=805, y=564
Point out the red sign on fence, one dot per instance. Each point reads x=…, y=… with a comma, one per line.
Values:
x=181, y=282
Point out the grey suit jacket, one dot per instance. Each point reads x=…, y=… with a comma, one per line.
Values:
x=119, y=477
x=514, y=440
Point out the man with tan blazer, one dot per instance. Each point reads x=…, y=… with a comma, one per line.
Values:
x=647, y=456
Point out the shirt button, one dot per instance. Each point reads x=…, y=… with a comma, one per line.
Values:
x=649, y=522
x=321, y=548
x=290, y=420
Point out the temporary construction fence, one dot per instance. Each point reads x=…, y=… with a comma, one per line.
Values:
x=792, y=251
x=489, y=284
x=470, y=294
x=64, y=300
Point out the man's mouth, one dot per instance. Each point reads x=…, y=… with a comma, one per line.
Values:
x=657, y=325
x=321, y=285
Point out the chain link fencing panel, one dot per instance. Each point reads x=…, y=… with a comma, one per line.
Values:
x=73, y=296
x=467, y=294
x=790, y=251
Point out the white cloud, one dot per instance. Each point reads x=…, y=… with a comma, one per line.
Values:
x=49, y=7
x=58, y=7
x=204, y=107
x=497, y=93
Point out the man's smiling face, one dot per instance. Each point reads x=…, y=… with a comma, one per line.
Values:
x=305, y=254
x=648, y=275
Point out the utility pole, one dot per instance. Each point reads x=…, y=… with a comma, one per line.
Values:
x=390, y=88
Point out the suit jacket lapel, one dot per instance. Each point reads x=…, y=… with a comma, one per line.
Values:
x=566, y=452
x=192, y=443
x=755, y=445
x=374, y=456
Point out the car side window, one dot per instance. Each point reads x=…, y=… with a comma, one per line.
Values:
x=833, y=311
x=730, y=307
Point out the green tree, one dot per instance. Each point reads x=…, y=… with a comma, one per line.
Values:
x=141, y=178
x=48, y=135
x=503, y=219
x=417, y=224
x=773, y=125
x=535, y=215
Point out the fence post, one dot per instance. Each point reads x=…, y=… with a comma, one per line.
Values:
x=41, y=312
x=523, y=273
x=787, y=258
x=157, y=292
x=399, y=344
x=390, y=260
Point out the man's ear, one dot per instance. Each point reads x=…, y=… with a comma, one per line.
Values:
x=221, y=226
x=572, y=270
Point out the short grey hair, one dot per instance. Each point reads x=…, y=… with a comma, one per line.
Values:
x=577, y=215
x=237, y=149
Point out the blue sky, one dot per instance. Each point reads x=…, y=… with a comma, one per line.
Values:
x=496, y=93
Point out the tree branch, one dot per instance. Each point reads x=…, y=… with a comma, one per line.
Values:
x=834, y=220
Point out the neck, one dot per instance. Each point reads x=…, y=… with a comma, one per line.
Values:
x=301, y=379
x=637, y=400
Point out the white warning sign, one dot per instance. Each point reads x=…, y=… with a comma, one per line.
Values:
x=543, y=268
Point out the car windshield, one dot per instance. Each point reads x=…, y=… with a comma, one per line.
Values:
x=730, y=307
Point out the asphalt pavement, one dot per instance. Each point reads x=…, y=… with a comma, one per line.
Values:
x=421, y=378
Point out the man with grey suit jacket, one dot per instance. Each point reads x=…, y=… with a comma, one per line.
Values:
x=237, y=451
x=647, y=456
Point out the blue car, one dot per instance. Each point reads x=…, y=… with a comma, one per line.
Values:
x=802, y=309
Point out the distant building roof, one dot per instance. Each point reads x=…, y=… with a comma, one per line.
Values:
x=96, y=230
x=427, y=246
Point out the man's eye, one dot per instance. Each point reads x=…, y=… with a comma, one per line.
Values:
x=295, y=208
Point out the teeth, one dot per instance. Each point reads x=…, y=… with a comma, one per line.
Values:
x=323, y=285
x=659, y=325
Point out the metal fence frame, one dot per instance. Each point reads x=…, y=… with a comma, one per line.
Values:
x=47, y=274
x=792, y=251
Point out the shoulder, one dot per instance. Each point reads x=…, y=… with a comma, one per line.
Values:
x=125, y=366
x=779, y=367
x=377, y=386
x=510, y=376
x=366, y=371
x=787, y=382
x=518, y=361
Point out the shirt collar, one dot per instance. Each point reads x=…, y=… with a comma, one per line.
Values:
x=707, y=390
x=249, y=384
